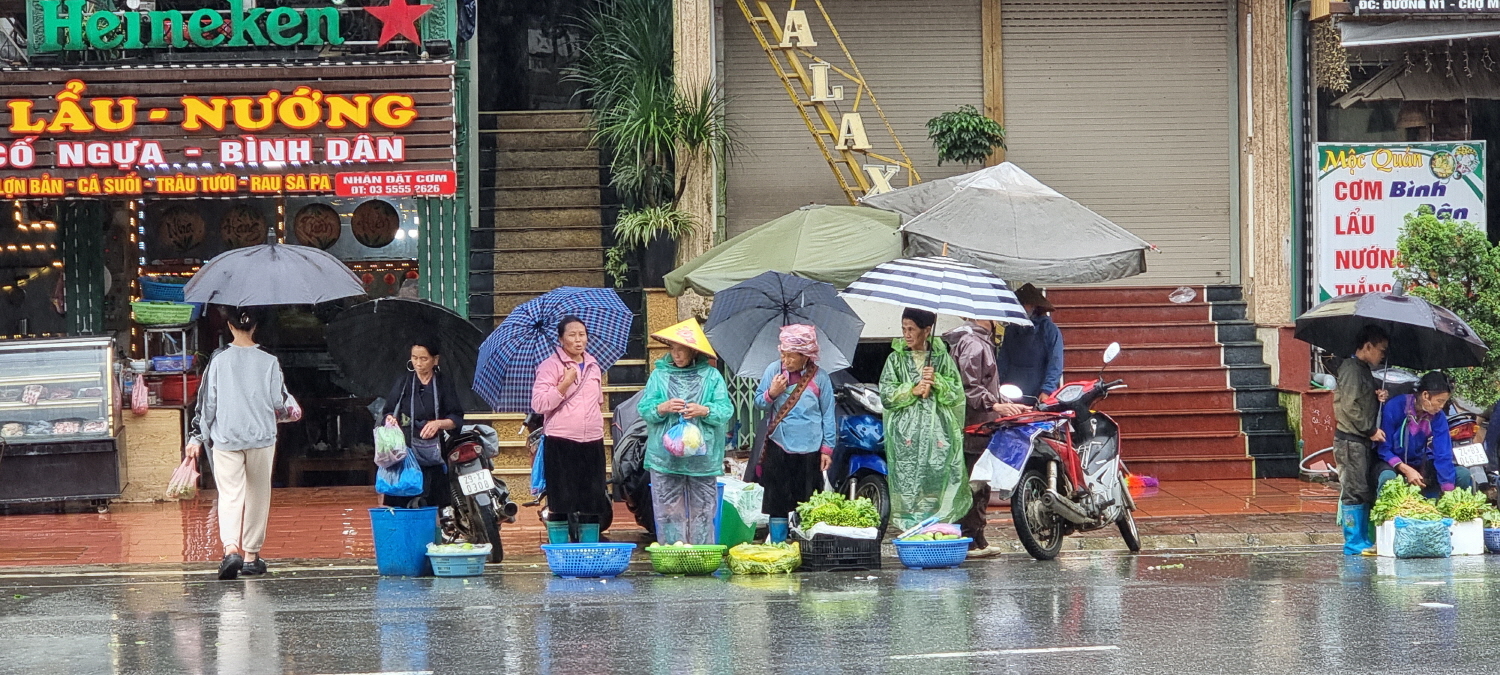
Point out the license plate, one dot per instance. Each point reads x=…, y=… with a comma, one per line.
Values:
x=477, y=482
x=1471, y=454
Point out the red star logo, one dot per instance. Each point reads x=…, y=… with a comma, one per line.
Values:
x=398, y=18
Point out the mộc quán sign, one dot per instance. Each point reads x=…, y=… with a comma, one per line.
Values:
x=73, y=144
x=73, y=25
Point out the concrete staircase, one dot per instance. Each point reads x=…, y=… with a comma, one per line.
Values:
x=1200, y=403
x=544, y=210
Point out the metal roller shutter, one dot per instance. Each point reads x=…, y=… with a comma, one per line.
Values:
x=1125, y=106
x=921, y=59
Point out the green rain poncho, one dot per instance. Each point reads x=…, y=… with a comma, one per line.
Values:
x=924, y=437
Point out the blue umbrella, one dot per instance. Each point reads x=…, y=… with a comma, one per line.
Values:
x=509, y=356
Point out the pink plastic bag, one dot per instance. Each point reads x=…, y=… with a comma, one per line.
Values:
x=140, y=397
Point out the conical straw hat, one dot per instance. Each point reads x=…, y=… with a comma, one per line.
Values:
x=687, y=334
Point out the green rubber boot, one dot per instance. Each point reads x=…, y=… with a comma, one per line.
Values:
x=557, y=532
x=588, y=533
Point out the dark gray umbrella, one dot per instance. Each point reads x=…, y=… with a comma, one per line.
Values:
x=273, y=274
x=1423, y=336
x=745, y=322
x=371, y=343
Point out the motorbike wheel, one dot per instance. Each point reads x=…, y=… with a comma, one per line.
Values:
x=1039, y=530
x=872, y=486
x=478, y=524
x=1131, y=535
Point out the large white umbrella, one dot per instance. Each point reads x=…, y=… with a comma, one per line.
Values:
x=272, y=274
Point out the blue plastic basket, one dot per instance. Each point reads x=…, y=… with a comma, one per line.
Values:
x=466, y=564
x=172, y=364
x=588, y=560
x=920, y=555
x=158, y=290
x=1492, y=539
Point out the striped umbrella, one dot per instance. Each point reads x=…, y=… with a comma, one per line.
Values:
x=528, y=335
x=940, y=285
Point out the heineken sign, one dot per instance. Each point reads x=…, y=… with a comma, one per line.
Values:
x=73, y=25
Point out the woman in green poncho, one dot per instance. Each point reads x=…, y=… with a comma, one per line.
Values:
x=923, y=397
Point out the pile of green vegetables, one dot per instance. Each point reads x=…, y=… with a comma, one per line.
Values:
x=1399, y=498
x=1491, y=517
x=834, y=509
x=932, y=536
x=1463, y=505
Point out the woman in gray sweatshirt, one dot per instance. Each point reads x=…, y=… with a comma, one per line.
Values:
x=238, y=403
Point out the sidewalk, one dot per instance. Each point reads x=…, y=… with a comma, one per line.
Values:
x=334, y=523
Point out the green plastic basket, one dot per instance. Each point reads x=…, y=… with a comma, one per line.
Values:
x=160, y=313
x=688, y=560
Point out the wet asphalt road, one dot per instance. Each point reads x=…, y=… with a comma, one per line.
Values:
x=1303, y=612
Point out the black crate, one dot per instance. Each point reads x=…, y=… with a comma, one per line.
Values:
x=825, y=553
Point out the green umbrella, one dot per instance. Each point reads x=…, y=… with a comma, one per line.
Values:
x=835, y=244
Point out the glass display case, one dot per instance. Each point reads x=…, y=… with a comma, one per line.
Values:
x=54, y=390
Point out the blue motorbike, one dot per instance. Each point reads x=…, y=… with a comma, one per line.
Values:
x=859, y=467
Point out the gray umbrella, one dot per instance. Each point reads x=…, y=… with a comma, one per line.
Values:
x=273, y=274
x=1003, y=220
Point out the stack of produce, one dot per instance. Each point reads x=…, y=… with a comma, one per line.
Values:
x=833, y=508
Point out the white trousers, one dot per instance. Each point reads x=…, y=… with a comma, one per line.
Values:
x=244, y=481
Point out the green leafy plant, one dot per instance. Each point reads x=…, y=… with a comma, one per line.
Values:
x=1452, y=263
x=835, y=509
x=656, y=132
x=1399, y=498
x=1463, y=505
x=1491, y=517
x=964, y=136
x=616, y=266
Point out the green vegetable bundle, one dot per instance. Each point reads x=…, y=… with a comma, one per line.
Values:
x=1399, y=498
x=1463, y=505
x=834, y=509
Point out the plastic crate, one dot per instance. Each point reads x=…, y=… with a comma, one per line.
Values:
x=588, y=560
x=825, y=553
x=456, y=564
x=688, y=560
x=172, y=364
x=152, y=289
x=921, y=555
x=1492, y=539
x=164, y=313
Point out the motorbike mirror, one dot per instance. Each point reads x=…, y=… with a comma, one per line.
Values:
x=1011, y=392
x=1112, y=351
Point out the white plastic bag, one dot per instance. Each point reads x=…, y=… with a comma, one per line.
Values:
x=745, y=498
x=390, y=446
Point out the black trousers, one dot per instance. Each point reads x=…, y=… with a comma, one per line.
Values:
x=435, y=491
x=575, y=477
x=789, y=479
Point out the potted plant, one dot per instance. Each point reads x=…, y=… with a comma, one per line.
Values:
x=964, y=136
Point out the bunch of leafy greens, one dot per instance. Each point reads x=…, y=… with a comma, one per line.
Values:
x=1463, y=505
x=834, y=509
x=1491, y=517
x=1399, y=498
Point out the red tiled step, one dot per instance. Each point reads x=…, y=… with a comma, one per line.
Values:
x=1143, y=313
x=1221, y=398
x=1182, y=443
x=1094, y=295
x=1167, y=377
x=1128, y=334
x=1192, y=468
x=1172, y=421
x=1204, y=354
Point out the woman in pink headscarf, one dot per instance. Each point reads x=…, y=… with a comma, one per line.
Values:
x=801, y=432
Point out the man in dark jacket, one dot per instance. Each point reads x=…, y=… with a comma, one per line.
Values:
x=1032, y=358
x=973, y=348
x=1356, y=412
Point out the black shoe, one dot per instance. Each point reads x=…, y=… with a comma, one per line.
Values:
x=254, y=567
x=230, y=567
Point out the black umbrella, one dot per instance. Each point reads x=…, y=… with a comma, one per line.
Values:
x=1423, y=336
x=744, y=325
x=371, y=343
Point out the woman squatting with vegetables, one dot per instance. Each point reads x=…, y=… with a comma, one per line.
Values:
x=924, y=414
x=686, y=407
x=802, y=430
x=1417, y=447
x=569, y=394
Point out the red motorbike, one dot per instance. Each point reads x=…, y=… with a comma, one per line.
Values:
x=1069, y=477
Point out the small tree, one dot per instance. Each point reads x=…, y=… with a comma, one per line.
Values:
x=964, y=136
x=1451, y=263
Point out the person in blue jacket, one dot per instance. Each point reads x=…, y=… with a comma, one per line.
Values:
x=1417, y=447
x=798, y=396
x=1032, y=358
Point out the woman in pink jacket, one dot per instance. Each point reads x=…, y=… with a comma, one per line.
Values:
x=569, y=394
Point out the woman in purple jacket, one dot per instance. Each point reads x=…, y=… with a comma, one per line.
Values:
x=569, y=394
x=1417, y=447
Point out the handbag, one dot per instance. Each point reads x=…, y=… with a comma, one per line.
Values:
x=429, y=451
x=401, y=480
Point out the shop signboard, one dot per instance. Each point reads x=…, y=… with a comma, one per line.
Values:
x=225, y=131
x=1365, y=192
x=1459, y=7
